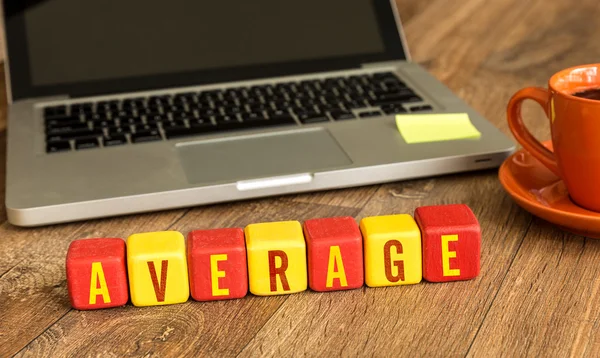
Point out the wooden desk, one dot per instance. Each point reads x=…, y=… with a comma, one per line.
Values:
x=538, y=293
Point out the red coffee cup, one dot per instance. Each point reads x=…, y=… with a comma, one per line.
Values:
x=575, y=128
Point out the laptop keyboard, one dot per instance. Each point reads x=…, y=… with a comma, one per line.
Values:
x=144, y=119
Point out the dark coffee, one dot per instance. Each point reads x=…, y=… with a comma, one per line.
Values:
x=593, y=93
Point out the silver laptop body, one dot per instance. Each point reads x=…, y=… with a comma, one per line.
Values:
x=79, y=178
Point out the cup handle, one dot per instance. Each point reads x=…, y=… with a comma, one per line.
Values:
x=522, y=134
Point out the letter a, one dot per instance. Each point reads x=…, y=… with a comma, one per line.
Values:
x=335, y=260
x=98, y=277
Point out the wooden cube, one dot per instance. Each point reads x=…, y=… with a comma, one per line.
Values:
x=335, y=255
x=276, y=258
x=157, y=267
x=451, y=242
x=217, y=264
x=96, y=273
x=392, y=249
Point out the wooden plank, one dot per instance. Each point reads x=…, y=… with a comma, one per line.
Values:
x=353, y=198
x=550, y=299
x=33, y=293
x=424, y=319
x=193, y=328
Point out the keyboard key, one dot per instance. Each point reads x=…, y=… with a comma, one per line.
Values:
x=354, y=104
x=81, y=108
x=154, y=119
x=330, y=83
x=55, y=111
x=116, y=139
x=74, y=134
x=58, y=146
x=86, y=143
x=174, y=123
x=154, y=107
x=180, y=116
x=252, y=116
x=103, y=123
x=61, y=118
x=396, y=99
x=131, y=121
x=258, y=123
x=66, y=129
x=369, y=114
x=329, y=107
x=257, y=107
x=394, y=110
x=329, y=98
x=341, y=115
x=201, y=124
x=116, y=130
x=163, y=99
x=145, y=127
x=128, y=104
x=281, y=120
x=421, y=108
x=177, y=131
x=126, y=112
x=357, y=97
x=224, y=119
x=232, y=111
x=173, y=108
x=207, y=112
x=394, y=85
x=384, y=95
x=225, y=104
x=200, y=121
x=312, y=117
x=63, y=121
x=97, y=117
x=145, y=136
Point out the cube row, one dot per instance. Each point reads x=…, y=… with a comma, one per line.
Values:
x=441, y=243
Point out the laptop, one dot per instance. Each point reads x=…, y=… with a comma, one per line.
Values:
x=121, y=107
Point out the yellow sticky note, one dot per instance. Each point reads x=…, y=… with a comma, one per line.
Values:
x=421, y=128
x=276, y=258
x=392, y=250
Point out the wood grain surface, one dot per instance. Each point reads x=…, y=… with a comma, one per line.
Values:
x=537, y=295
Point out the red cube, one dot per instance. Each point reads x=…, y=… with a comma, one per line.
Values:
x=451, y=240
x=217, y=264
x=97, y=274
x=335, y=254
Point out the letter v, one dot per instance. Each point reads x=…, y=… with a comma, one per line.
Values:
x=159, y=290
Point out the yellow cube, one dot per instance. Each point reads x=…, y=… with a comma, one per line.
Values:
x=276, y=258
x=157, y=267
x=392, y=246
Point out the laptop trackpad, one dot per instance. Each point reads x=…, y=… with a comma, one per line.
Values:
x=260, y=156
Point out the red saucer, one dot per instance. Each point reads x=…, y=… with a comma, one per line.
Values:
x=537, y=190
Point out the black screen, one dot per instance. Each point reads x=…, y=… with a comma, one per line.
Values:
x=76, y=41
x=82, y=48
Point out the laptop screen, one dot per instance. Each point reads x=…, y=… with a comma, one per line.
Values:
x=86, y=46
